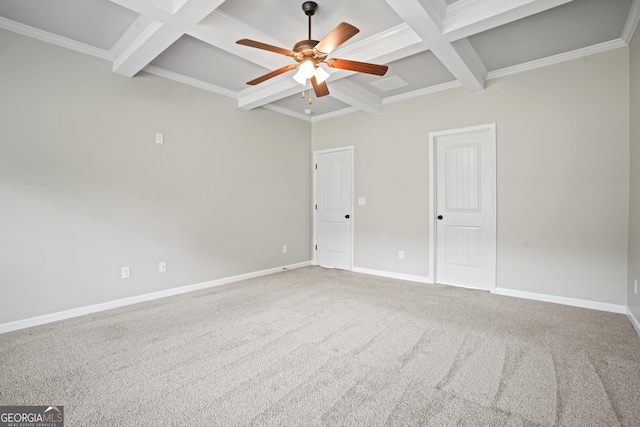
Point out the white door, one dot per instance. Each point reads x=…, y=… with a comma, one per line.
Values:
x=333, y=208
x=465, y=206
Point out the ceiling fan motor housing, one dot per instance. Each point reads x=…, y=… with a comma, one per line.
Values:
x=304, y=52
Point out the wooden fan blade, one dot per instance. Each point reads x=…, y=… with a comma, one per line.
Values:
x=264, y=46
x=361, y=67
x=336, y=37
x=272, y=74
x=320, y=89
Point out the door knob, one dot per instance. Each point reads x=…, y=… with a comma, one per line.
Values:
x=439, y=216
x=346, y=216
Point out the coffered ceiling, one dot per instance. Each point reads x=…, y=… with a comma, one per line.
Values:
x=429, y=45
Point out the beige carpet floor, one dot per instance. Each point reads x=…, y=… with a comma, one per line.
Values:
x=312, y=347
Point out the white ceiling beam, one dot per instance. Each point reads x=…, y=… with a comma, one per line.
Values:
x=390, y=45
x=423, y=21
x=221, y=30
x=151, y=10
x=437, y=10
x=194, y=11
x=278, y=88
x=466, y=62
x=150, y=43
x=161, y=27
x=383, y=58
x=460, y=59
x=387, y=42
x=354, y=95
x=467, y=17
x=165, y=27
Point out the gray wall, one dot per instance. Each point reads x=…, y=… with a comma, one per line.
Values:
x=84, y=189
x=563, y=176
x=633, y=300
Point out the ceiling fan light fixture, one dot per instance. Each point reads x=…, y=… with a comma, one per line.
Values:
x=321, y=75
x=305, y=71
x=299, y=78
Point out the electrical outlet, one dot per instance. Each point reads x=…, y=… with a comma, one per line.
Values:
x=162, y=267
x=635, y=286
x=401, y=255
x=159, y=138
x=284, y=249
x=125, y=272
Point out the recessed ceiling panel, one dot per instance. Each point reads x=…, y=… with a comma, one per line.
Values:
x=285, y=20
x=420, y=71
x=98, y=23
x=574, y=25
x=196, y=59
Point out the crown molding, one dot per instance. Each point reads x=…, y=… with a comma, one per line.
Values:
x=161, y=72
x=333, y=114
x=632, y=22
x=468, y=17
x=556, y=59
x=55, y=39
x=287, y=112
x=421, y=92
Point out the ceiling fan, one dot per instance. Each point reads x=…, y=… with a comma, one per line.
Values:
x=309, y=53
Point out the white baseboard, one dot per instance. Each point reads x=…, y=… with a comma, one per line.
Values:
x=409, y=277
x=575, y=302
x=633, y=320
x=595, y=305
x=81, y=311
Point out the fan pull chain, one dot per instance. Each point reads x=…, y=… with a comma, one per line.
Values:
x=310, y=99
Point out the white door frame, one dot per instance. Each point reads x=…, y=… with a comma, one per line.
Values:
x=313, y=202
x=491, y=127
